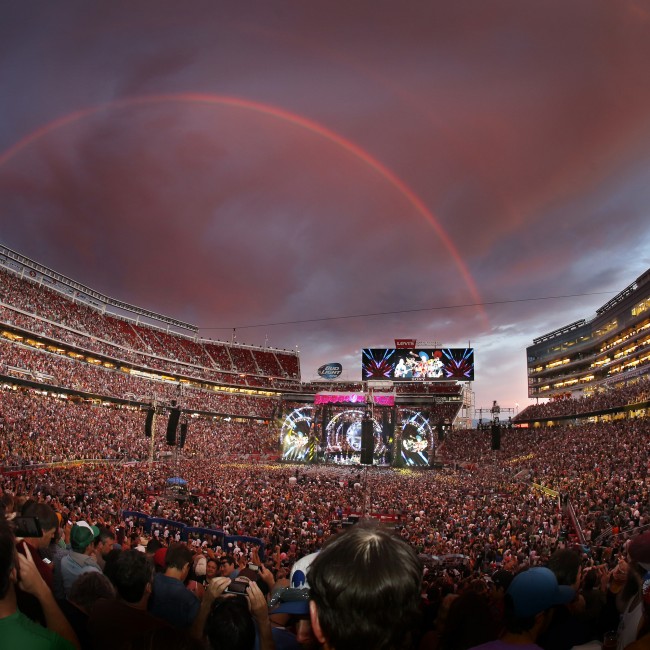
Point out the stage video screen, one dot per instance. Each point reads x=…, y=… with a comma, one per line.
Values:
x=303, y=440
x=391, y=364
x=417, y=439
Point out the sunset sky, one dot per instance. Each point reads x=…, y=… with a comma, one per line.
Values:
x=335, y=175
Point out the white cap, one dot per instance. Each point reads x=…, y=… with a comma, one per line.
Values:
x=298, y=575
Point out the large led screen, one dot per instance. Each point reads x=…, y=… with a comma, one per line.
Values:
x=390, y=364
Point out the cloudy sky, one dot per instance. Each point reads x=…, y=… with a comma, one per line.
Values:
x=438, y=170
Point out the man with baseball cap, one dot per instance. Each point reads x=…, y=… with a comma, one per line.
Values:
x=529, y=604
x=81, y=558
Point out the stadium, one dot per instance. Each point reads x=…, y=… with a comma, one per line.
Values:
x=325, y=325
x=115, y=415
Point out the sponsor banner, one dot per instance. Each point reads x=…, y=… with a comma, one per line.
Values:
x=330, y=371
x=405, y=344
x=546, y=490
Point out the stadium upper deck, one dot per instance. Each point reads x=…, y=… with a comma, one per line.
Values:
x=611, y=349
x=42, y=302
x=45, y=311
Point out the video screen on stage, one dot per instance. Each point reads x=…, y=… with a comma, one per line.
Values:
x=305, y=438
x=390, y=364
x=309, y=435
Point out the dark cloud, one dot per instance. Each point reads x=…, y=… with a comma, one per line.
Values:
x=521, y=132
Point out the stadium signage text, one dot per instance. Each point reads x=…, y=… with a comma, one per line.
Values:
x=330, y=371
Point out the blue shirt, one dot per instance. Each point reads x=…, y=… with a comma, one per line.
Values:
x=75, y=564
x=173, y=602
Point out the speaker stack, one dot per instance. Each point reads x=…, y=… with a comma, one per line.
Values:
x=172, y=424
x=367, y=441
x=496, y=437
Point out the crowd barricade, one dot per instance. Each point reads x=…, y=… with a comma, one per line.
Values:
x=214, y=536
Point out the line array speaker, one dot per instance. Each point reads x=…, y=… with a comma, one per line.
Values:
x=148, y=425
x=172, y=424
x=496, y=437
x=183, y=434
x=367, y=441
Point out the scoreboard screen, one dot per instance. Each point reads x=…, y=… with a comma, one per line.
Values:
x=444, y=364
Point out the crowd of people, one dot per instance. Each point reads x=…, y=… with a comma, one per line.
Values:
x=495, y=510
x=39, y=429
x=62, y=336
x=454, y=560
x=633, y=392
x=43, y=311
x=64, y=372
x=486, y=512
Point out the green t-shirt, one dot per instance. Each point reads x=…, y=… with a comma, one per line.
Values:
x=18, y=631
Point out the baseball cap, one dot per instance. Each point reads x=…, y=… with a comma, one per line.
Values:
x=290, y=601
x=83, y=534
x=298, y=575
x=536, y=590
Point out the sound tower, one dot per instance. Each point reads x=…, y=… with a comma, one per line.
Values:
x=441, y=431
x=327, y=416
x=148, y=425
x=172, y=423
x=183, y=435
x=367, y=441
x=496, y=437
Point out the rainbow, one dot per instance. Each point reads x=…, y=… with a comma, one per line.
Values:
x=281, y=114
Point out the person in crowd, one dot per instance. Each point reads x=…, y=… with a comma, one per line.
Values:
x=199, y=569
x=469, y=622
x=171, y=600
x=125, y=622
x=87, y=589
x=235, y=621
x=228, y=567
x=595, y=610
x=530, y=600
x=211, y=569
x=568, y=626
x=104, y=544
x=48, y=522
x=365, y=591
x=501, y=580
x=81, y=558
x=153, y=545
x=16, y=630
